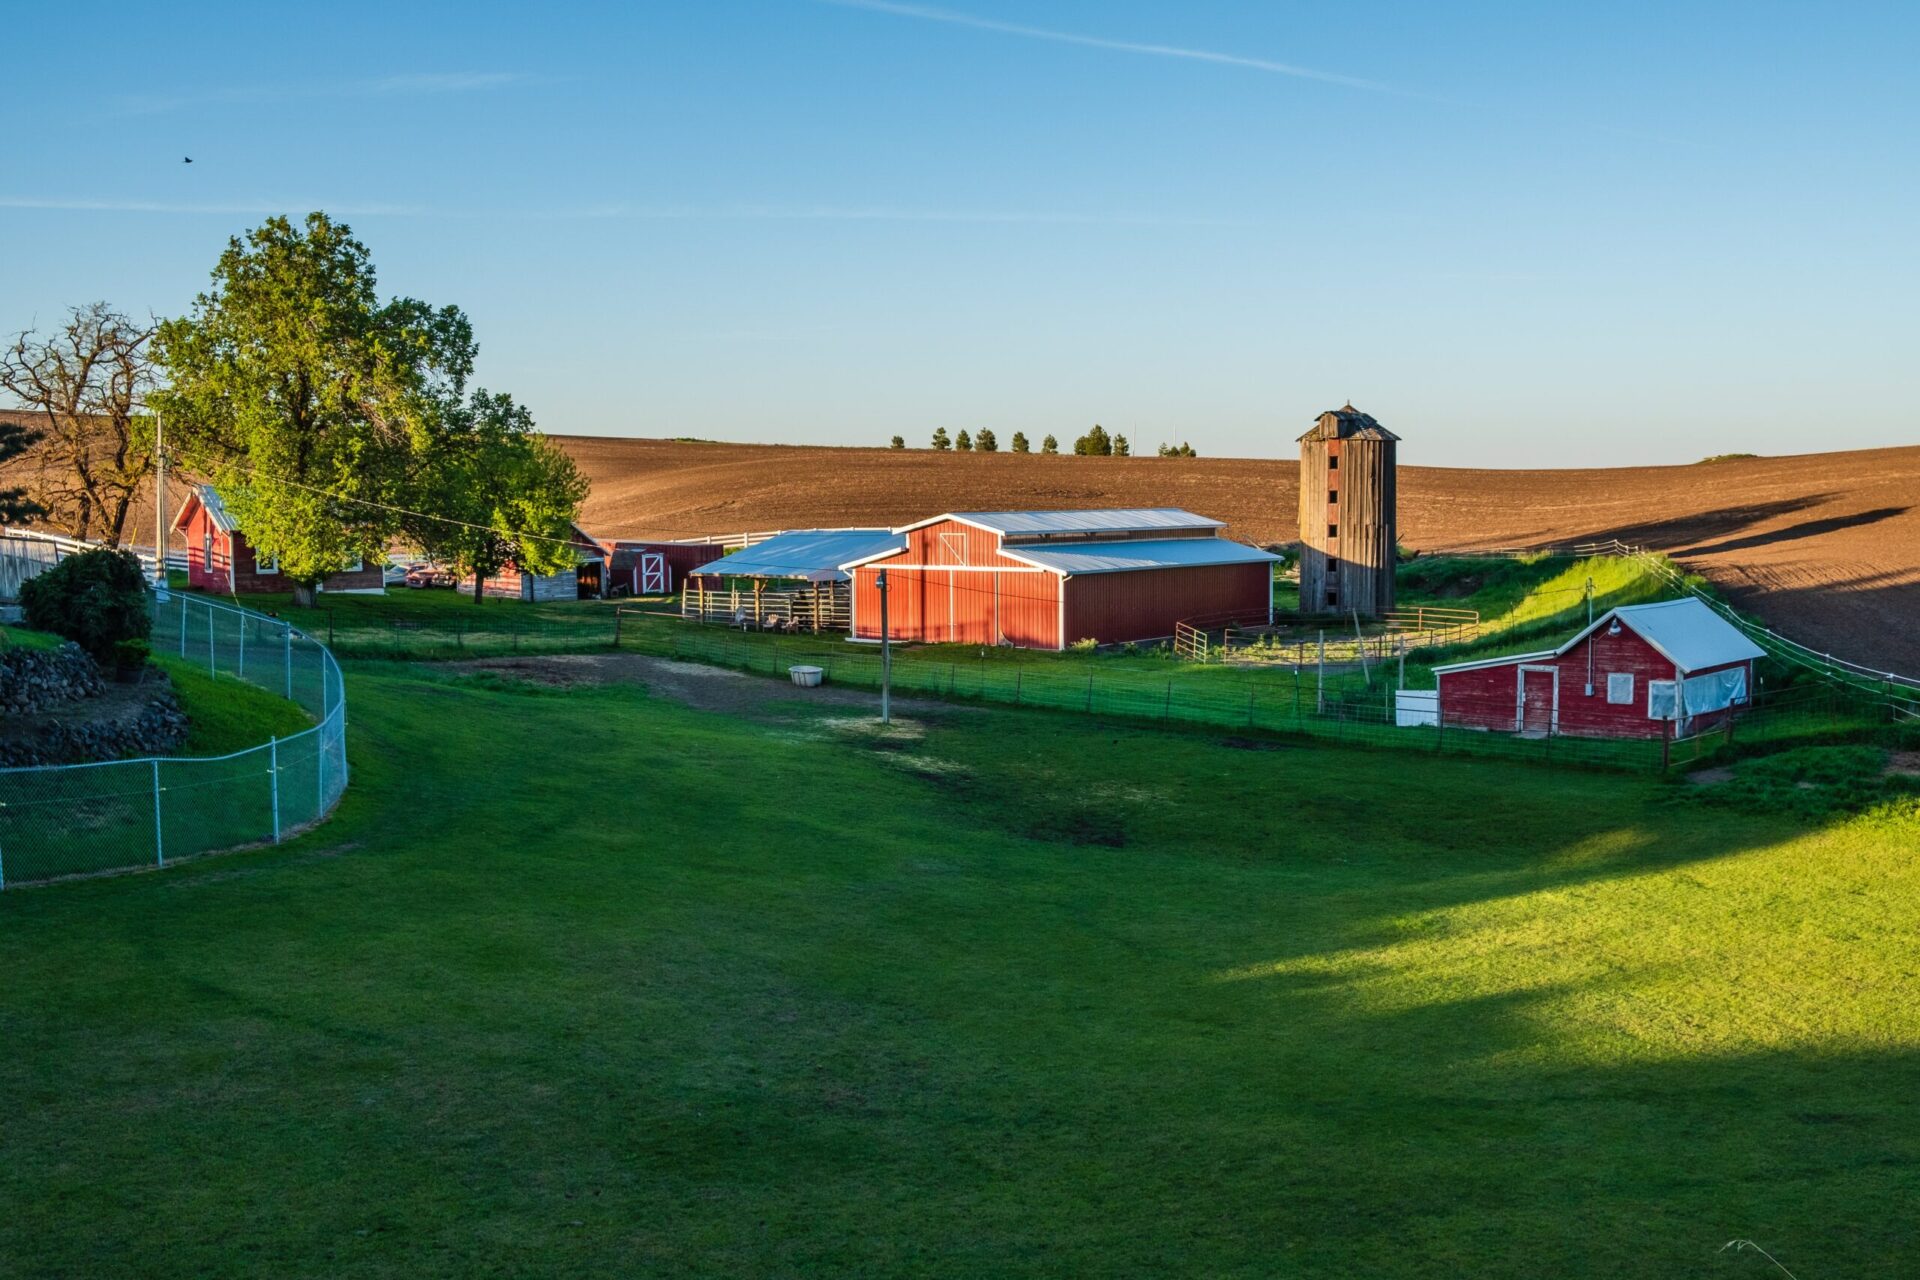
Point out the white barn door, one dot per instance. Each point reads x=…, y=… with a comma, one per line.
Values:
x=653, y=573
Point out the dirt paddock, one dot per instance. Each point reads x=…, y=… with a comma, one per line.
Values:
x=692, y=684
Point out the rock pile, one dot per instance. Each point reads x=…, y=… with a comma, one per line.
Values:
x=36, y=680
x=56, y=709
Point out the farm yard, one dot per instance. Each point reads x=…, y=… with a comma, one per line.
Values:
x=1824, y=546
x=997, y=991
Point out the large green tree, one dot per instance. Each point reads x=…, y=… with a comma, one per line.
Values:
x=491, y=491
x=306, y=399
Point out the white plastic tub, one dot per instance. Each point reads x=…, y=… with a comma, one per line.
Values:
x=806, y=677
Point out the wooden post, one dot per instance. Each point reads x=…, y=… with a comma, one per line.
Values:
x=1320, y=687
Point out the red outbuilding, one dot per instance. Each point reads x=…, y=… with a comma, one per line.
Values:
x=639, y=567
x=1641, y=671
x=219, y=557
x=1045, y=579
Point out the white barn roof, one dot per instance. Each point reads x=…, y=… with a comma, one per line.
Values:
x=1687, y=632
x=1035, y=524
x=1126, y=556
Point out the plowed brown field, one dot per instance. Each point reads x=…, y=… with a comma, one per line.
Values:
x=1824, y=546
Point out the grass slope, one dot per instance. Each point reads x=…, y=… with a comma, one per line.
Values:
x=591, y=983
x=228, y=714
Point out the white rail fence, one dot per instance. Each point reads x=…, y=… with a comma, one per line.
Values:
x=27, y=553
x=67, y=820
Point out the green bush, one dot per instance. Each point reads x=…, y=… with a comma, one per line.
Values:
x=130, y=657
x=96, y=599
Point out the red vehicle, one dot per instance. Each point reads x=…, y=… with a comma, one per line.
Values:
x=429, y=575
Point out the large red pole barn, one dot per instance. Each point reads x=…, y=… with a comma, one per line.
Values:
x=1639, y=671
x=1045, y=579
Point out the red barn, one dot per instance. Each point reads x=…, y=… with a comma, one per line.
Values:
x=636, y=566
x=1641, y=671
x=219, y=557
x=1045, y=579
x=582, y=582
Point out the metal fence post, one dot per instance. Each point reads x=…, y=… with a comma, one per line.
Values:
x=212, y=663
x=286, y=655
x=273, y=772
x=159, y=839
x=183, y=624
x=243, y=647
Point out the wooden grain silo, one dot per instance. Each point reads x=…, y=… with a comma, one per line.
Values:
x=1347, y=527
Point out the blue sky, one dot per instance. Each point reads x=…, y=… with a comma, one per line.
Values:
x=1520, y=234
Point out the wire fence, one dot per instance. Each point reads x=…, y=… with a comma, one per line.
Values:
x=68, y=820
x=1296, y=707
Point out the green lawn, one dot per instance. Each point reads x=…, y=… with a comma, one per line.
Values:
x=228, y=714
x=591, y=983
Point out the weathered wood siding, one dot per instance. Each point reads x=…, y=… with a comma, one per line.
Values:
x=1349, y=486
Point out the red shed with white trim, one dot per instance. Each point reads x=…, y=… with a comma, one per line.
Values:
x=1640, y=671
x=219, y=557
x=1044, y=579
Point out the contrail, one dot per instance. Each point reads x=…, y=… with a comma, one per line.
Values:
x=928, y=13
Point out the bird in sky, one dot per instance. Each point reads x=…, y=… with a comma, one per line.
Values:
x=186, y=160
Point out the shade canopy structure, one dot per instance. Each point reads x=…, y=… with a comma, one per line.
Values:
x=804, y=555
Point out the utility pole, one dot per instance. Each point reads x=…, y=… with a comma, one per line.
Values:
x=159, y=507
x=886, y=654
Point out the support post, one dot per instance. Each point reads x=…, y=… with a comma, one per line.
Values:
x=242, y=673
x=159, y=837
x=1320, y=686
x=886, y=654
x=286, y=655
x=273, y=772
x=183, y=625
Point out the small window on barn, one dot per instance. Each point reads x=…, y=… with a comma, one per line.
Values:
x=1620, y=688
x=1663, y=700
x=1333, y=462
x=1333, y=597
x=1333, y=531
x=264, y=563
x=1333, y=496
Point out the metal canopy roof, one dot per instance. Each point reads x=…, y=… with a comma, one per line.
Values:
x=1124, y=557
x=810, y=555
x=1025, y=524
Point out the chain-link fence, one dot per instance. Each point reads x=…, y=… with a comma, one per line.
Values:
x=65, y=820
x=1266, y=704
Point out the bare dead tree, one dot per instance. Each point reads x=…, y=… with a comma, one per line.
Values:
x=84, y=386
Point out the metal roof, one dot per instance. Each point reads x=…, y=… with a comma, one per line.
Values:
x=810, y=555
x=1123, y=557
x=1025, y=524
x=1687, y=632
x=216, y=509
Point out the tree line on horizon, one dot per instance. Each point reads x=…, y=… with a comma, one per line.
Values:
x=330, y=421
x=1096, y=443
